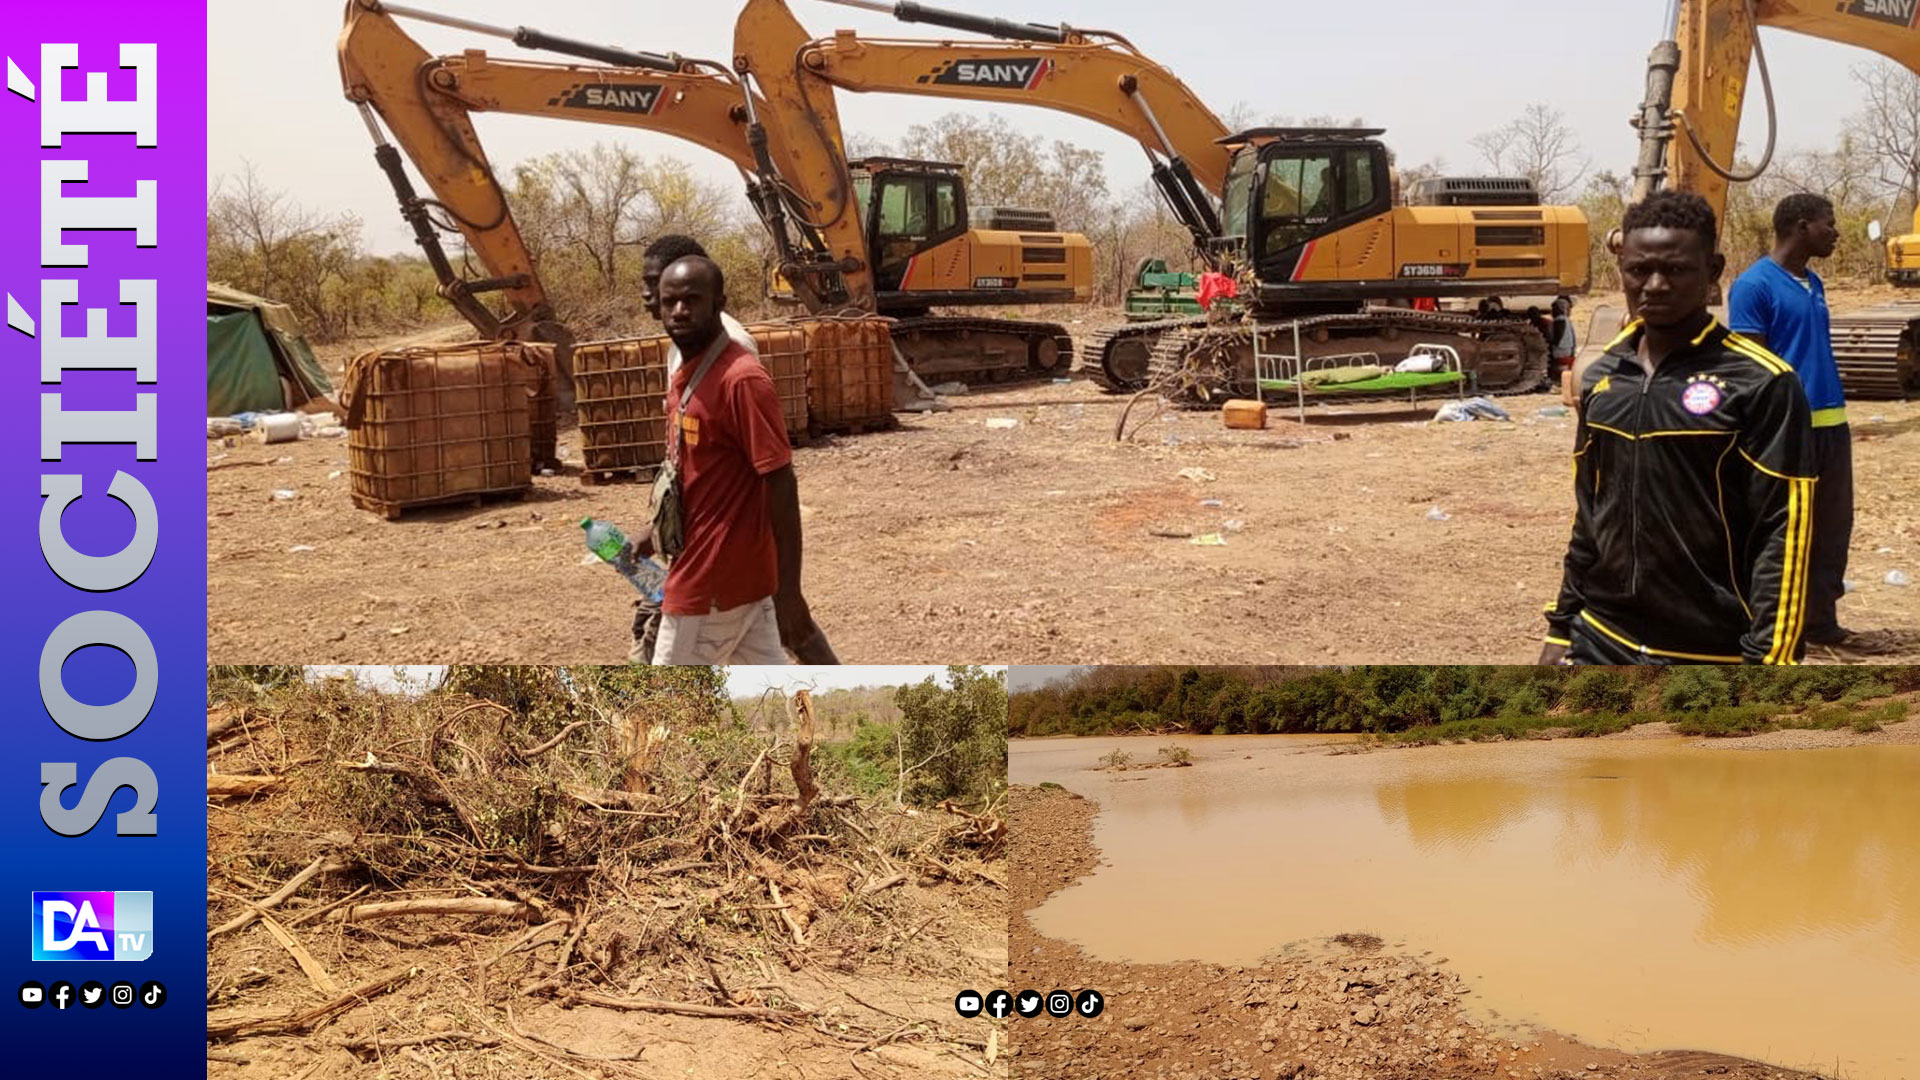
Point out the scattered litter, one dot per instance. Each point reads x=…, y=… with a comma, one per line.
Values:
x=1471, y=409
x=334, y=475
x=1876, y=419
x=283, y=461
x=1884, y=551
x=951, y=389
x=546, y=472
x=280, y=428
x=285, y=496
x=1169, y=534
x=1899, y=580
x=1212, y=504
x=1063, y=382
x=1849, y=587
x=1197, y=475
x=331, y=431
x=1234, y=525
x=301, y=549
x=219, y=427
x=1170, y=440
x=1554, y=412
x=590, y=559
x=1209, y=540
x=1002, y=423
x=1437, y=514
x=218, y=457
x=397, y=631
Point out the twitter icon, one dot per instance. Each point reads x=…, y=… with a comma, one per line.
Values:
x=92, y=994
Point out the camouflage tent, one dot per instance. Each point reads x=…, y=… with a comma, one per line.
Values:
x=257, y=359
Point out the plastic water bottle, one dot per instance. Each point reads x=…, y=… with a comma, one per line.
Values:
x=605, y=539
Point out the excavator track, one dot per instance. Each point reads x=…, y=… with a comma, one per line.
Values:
x=1119, y=358
x=978, y=352
x=1202, y=365
x=1878, y=351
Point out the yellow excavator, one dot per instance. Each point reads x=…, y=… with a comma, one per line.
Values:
x=1903, y=255
x=1309, y=220
x=910, y=245
x=1689, y=121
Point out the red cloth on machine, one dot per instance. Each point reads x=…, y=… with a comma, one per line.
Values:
x=1216, y=286
x=1426, y=303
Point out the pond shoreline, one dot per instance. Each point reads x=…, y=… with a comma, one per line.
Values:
x=1360, y=1011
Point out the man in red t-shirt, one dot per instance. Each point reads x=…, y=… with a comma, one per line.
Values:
x=733, y=593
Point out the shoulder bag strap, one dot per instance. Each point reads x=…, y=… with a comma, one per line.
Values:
x=707, y=361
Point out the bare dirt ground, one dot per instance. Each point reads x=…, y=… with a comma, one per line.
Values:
x=621, y=960
x=1349, y=1009
x=1045, y=542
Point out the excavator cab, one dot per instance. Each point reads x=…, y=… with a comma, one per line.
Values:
x=1287, y=187
x=907, y=207
x=929, y=250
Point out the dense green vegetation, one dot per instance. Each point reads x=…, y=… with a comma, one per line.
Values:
x=1453, y=702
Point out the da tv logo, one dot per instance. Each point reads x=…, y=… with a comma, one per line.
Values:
x=92, y=925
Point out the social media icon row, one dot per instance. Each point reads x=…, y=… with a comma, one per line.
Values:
x=92, y=995
x=1030, y=1003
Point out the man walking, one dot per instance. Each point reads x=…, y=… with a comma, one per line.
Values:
x=733, y=592
x=1781, y=305
x=1693, y=473
x=663, y=252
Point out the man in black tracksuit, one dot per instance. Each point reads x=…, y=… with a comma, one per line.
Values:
x=1693, y=471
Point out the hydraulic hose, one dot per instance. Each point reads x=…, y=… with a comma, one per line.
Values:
x=1773, y=118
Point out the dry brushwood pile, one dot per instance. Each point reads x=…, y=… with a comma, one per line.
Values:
x=438, y=887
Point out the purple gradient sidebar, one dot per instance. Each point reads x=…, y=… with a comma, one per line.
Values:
x=90, y=841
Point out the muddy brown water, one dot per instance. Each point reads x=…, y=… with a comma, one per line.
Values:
x=1646, y=895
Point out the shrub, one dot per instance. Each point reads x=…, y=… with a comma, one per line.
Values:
x=1176, y=755
x=1729, y=720
x=1118, y=759
x=1600, y=690
x=1524, y=701
x=1691, y=688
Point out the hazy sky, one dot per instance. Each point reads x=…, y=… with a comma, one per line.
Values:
x=1034, y=676
x=1433, y=74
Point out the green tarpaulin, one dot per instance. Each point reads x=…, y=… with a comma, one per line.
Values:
x=257, y=360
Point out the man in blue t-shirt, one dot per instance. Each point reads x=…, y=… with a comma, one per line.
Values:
x=1781, y=305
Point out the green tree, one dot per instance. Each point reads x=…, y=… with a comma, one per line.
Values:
x=953, y=739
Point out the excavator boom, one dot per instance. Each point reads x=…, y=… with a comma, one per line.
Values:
x=426, y=103
x=1095, y=75
x=1698, y=84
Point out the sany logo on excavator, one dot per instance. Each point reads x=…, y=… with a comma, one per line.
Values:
x=626, y=99
x=997, y=74
x=1898, y=12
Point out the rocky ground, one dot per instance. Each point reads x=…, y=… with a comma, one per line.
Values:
x=1353, y=1008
